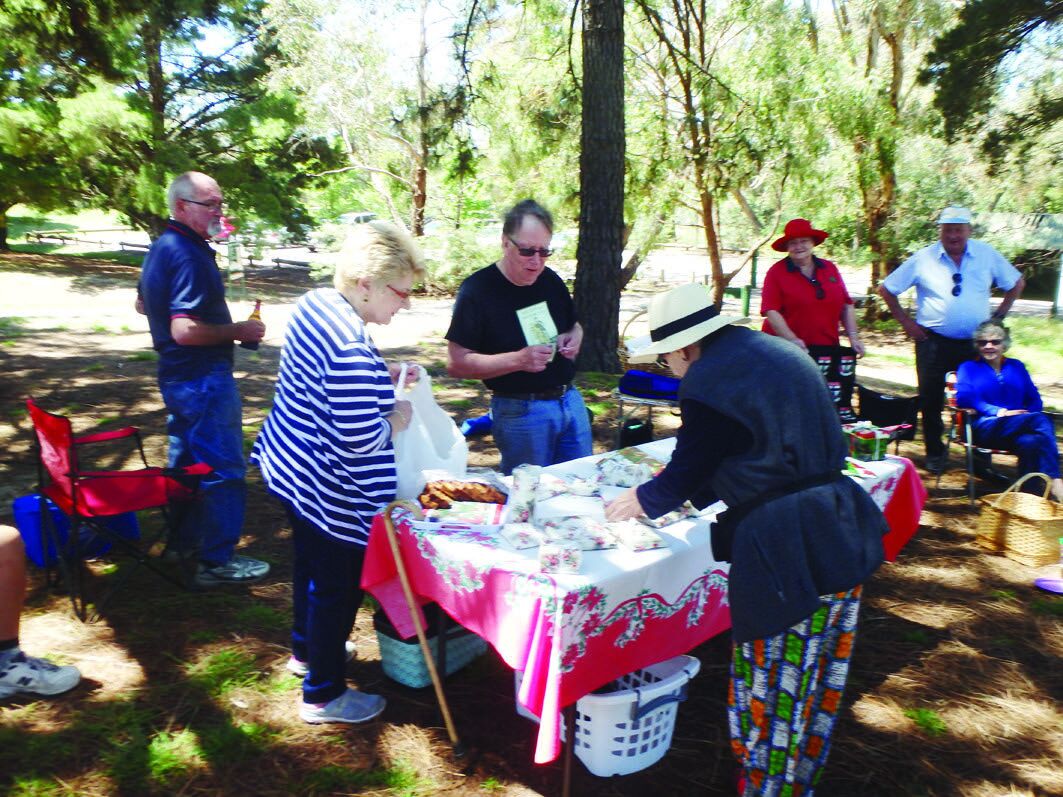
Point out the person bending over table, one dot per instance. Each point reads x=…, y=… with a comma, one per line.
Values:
x=326, y=452
x=801, y=537
x=508, y=320
x=1009, y=413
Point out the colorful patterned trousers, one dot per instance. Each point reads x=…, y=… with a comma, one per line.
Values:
x=784, y=697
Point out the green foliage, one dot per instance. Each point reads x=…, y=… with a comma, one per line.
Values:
x=12, y=327
x=460, y=404
x=1047, y=607
x=928, y=720
x=259, y=615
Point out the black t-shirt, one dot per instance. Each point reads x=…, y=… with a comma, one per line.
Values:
x=485, y=321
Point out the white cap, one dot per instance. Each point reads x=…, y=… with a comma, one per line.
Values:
x=954, y=214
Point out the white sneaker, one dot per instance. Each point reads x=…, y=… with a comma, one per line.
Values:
x=299, y=667
x=22, y=673
x=350, y=707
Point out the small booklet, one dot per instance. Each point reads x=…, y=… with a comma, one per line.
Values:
x=537, y=325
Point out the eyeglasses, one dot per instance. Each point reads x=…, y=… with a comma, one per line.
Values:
x=528, y=251
x=662, y=360
x=214, y=204
x=989, y=342
x=957, y=278
x=404, y=295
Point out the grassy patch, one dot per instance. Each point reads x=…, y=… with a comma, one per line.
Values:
x=94, y=368
x=12, y=327
x=148, y=356
x=916, y=636
x=37, y=787
x=229, y=744
x=491, y=784
x=469, y=383
x=928, y=720
x=171, y=755
x=460, y=404
x=598, y=380
x=99, y=328
x=1047, y=607
x=258, y=615
x=599, y=407
x=401, y=780
x=224, y=671
x=1003, y=594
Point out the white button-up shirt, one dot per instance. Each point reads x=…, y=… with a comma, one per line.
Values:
x=931, y=271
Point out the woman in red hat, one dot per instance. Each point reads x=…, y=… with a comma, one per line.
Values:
x=804, y=297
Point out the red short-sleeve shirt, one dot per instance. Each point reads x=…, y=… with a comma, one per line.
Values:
x=793, y=295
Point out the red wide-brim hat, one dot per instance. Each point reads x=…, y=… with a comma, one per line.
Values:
x=798, y=228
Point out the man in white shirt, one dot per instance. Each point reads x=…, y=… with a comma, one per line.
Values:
x=953, y=279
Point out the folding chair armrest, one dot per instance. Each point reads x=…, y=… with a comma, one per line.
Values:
x=114, y=434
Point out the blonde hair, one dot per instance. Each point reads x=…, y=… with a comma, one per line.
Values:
x=379, y=252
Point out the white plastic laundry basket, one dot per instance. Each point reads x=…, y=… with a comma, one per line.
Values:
x=626, y=728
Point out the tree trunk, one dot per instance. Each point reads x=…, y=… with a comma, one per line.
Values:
x=601, y=218
x=151, y=35
x=3, y=229
x=420, y=161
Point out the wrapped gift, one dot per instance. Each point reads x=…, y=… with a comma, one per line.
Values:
x=560, y=557
x=628, y=467
x=635, y=536
x=521, y=535
x=589, y=535
x=684, y=512
x=471, y=512
x=866, y=441
x=522, y=495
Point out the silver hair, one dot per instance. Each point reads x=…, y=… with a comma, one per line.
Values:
x=181, y=186
x=990, y=323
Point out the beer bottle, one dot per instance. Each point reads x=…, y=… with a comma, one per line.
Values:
x=256, y=315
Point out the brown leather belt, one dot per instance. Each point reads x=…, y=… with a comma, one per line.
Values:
x=553, y=394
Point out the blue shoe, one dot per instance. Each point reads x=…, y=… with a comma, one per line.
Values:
x=351, y=707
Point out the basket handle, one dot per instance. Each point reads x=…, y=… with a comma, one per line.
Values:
x=679, y=696
x=1019, y=482
x=623, y=332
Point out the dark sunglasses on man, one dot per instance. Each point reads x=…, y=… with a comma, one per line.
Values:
x=528, y=251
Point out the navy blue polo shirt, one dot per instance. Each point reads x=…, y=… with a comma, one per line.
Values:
x=180, y=279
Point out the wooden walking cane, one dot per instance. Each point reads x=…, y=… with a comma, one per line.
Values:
x=415, y=616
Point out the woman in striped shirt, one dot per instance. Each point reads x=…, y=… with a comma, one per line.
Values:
x=326, y=452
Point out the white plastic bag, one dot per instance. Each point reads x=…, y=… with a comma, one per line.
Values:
x=431, y=442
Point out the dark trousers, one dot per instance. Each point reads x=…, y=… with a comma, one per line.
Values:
x=325, y=599
x=935, y=357
x=1031, y=435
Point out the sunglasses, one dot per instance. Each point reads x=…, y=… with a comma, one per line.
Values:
x=214, y=204
x=957, y=279
x=820, y=293
x=528, y=251
x=989, y=342
x=404, y=295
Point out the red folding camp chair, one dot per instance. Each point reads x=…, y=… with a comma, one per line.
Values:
x=959, y=433
x=89, y=498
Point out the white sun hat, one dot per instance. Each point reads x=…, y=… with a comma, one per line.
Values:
x=954, y=214
x=682, y=316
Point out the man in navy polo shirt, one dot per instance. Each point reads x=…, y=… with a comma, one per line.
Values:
x=193, y=332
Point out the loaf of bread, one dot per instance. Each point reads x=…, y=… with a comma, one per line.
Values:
x=440, y=494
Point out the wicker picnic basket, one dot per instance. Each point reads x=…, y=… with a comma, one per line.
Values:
x=1022, y=526
x=622, y=353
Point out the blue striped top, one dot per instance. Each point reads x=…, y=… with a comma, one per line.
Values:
x=326, y=446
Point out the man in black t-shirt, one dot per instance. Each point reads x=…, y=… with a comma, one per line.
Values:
x=514, y=326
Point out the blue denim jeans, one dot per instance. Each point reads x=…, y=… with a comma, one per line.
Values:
x=204, y=425
x=326, y=595
x=541, y=432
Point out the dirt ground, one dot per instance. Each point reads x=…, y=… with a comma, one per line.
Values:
x=956, y=688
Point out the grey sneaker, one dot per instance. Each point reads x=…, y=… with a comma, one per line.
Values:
x=238, y=570
x=299, y=667
x=351, y=707
x=22, y=673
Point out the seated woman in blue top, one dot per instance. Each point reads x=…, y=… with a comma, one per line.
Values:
x=1007, y=405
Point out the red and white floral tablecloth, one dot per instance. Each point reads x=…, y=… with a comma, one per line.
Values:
x=570, y=634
